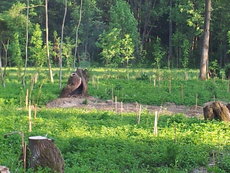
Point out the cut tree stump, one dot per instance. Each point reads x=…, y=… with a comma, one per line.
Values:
x=4, y=169
x=216, y=110
x=44, y=153
x=77, y=84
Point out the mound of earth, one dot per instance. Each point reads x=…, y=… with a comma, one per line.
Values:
x=95, y=103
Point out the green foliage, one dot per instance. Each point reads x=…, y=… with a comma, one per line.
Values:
x=67, y=52
x=110, y=44
x=227, y=71
x=38, y=54
x=158, y=53
x=16, y=52
x=214, y=69
x=127, y=49
x=186, y=50
x=99, y=141
x=116, y=49
x=228, y=36
x=123, y=19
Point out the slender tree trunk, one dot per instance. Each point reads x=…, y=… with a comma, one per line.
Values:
x=61, y=46
x=27, y=40
x=47, y=43
x=6, y=61
x=1, y=71
x=205, y=45
x=77, y=32
x=170, y=34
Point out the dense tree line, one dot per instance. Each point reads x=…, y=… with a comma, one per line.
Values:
x=118, y=33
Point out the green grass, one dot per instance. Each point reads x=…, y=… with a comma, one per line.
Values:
x=96, y=141
x=99, y=141
x=146, y=86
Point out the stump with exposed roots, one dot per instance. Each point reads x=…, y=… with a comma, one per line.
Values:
x=76, y=85
x=216, y=110
x=44, y=153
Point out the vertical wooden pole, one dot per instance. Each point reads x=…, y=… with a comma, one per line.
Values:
x=154, y=82
x=35, y=111
x=196, y=101
x=121, y=107
x=170, y=86
x=155, y=130
x=27, y=99
x=112, y=95
x=139, y=115
x=30, y=120
x=228, y=90
x=115, y=103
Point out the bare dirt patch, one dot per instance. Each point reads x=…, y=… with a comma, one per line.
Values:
x=95, y=103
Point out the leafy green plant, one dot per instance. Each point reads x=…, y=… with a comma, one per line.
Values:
x=158, y=53
x=227, y=71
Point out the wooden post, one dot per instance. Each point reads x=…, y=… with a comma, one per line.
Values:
x=44, y=153
x=228, y=90
x=35, y=111
x=170, y=86
x=97, y=82
x=27, y=97
x=121, y=107
x=182, y=92
x=154, y=82
x=139, y=115
x=155, y=130
x=196, y=101
x=30, y=120
x=112, y=95
x=115, y=103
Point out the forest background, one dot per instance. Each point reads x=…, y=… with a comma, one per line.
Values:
x=113, y=33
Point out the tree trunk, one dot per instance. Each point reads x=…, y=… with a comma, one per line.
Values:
x=47, y=43
x=217, y=111
x=205, y=45
x=1, y=71
x=170, y=34
x=27, y=40
x=61, y=46
x=44, y=153
x=76, y=41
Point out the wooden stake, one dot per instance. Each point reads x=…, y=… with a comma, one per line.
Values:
x=170, y=86
x=35, y=111
x=121, y=107
x=30, y=120
x=155, y=130
x=228, y=90
x=154, y=82
x=196, y=101
x=139, y=115
x=112, y=95
x=182, y=93
x=27, y=97
x=115, y=103
x=97, y=82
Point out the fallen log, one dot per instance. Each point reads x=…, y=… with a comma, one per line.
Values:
x=44, y=153
x=216, y=110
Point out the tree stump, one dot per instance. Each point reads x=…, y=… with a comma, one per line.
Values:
x=217, y=111
x=44, y=153
x=76, y=85
x=4, y=169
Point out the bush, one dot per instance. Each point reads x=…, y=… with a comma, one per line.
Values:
x=227, y=71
